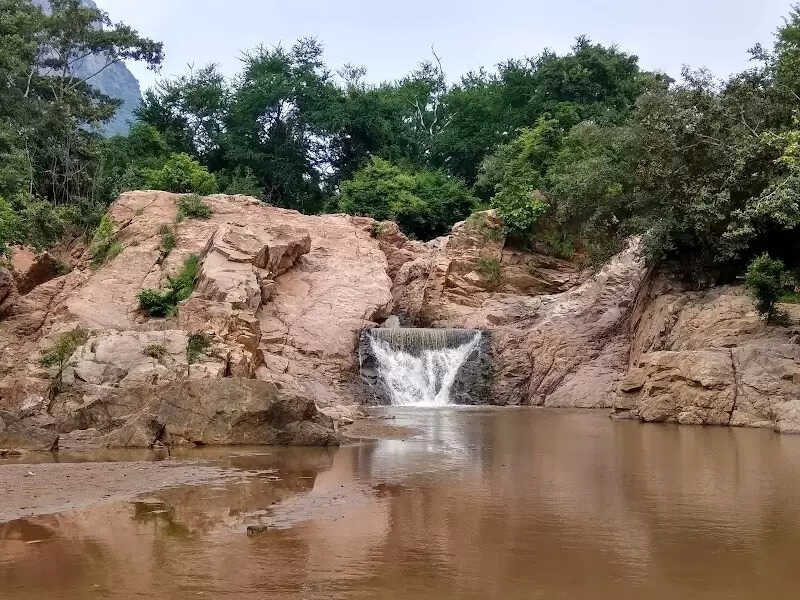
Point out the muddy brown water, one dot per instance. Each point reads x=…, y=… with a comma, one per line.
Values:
x=484, y=503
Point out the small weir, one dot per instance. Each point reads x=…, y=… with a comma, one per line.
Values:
x=425, y=367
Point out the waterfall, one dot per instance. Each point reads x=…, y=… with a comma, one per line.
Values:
x=419, y=366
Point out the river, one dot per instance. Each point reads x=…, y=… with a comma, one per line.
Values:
x=482, y=503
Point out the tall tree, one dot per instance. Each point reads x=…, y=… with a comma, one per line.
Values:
x=277, y=125
x=57, y=114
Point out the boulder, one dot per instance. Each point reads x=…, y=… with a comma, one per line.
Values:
x=21, y=432
x=445, y=282
x=227, y=411
x=706, y=358
x=280, y=295
x=558, y=332
x=32, y=270
x=8, y=291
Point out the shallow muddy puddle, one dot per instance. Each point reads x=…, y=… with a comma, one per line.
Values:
x=482, y=503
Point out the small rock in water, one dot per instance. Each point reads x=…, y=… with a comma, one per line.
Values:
x=253, y=530
x=392, y=322
x=4, y=453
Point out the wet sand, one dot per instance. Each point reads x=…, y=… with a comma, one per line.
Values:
x=31, y=486
x=482, y=503
x=378, y=429
x=39, y=489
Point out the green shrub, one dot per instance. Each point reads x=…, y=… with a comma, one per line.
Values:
x=156, y=351
x=43, y=224
x=766, y=281
x=198, y=344
x=164, y=302
x=10, y=227
x=64, y=348
x=515, y=174
x=490, y=270
x=792, y=297
x=167, y=240
x=156, y=303
x=183, y=175
x=424, y=203
x=377, y=229
x=103, y=246
x=193, y=207
x=558, y=244
x=61, y=267
x=490, y=232
x=241, y=180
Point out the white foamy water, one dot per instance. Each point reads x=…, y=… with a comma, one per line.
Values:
x=423, y=380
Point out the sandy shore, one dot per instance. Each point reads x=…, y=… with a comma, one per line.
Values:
x=29, y=487
x=377, y=429
x=38, y=489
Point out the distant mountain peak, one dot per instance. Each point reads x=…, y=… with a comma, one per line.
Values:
x=116, y=82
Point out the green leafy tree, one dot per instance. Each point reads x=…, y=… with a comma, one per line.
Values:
x=766, y=281
x=125, y=161
x=424, y=203
x=190, y=113
x=10, y=227
x=486, y=109
x=515, y=174
x=277, y=123
x=592, y=188
x=182, y=174
x=50, y=116
x=240, y=180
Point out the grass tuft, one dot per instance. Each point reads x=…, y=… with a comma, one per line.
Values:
x=193, y=207
x=198, y=344
x=489, y=268
x=164, y=302
x=64, y=348
x=156, y=351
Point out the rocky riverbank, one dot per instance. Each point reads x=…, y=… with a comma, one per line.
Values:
x=281, y=299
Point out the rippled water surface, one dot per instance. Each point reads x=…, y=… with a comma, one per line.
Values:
x=482, y=504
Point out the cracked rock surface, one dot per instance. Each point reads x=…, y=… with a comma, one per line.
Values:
x=281, y=299
x=280, y=296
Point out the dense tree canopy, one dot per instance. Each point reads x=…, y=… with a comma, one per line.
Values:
x=577, y=152
x=49, y=117
x=423, y=202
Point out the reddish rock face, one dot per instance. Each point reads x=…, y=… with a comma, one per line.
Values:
x=282, y=297
x=707, y=358
x=619, y=338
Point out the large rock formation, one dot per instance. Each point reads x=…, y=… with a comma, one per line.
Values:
x=622, y=337
x=281, y=299
x=558, y=331
x=280, y=296
x=707, y=358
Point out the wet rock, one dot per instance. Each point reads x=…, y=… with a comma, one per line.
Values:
x=26, y=433
x=227, y=411
x=33, y=270
x=282, y=297
x=707, y=358
x=392, y=322
x=255, y=530
x=472, y=381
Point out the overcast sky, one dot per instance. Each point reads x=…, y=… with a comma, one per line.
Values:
x=389, y=38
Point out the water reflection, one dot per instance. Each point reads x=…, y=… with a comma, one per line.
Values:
x=483, y=504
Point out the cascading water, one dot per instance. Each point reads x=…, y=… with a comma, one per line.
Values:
x=418, y=367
